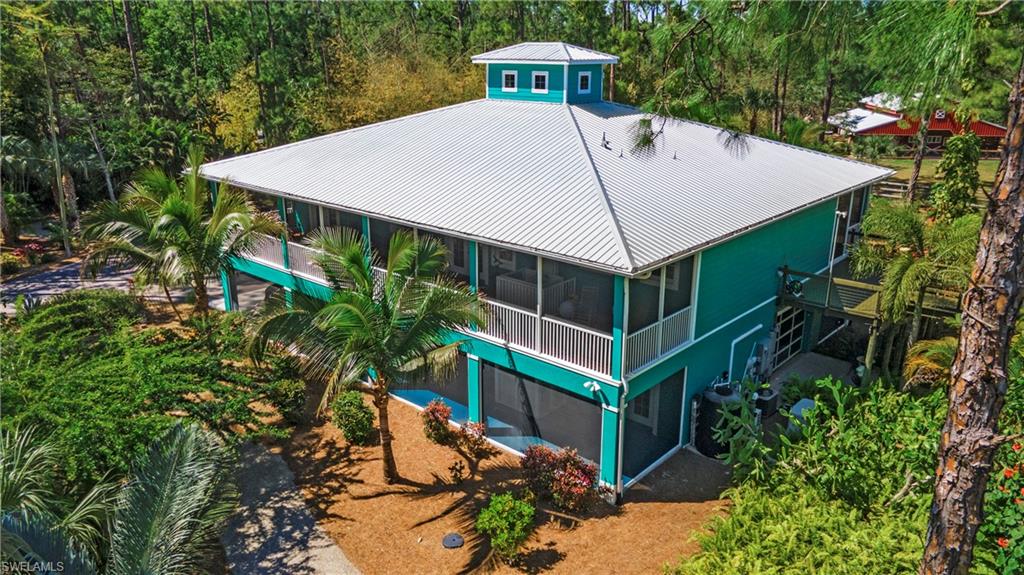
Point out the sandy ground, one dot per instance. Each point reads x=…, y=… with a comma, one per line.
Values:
x=398, y=528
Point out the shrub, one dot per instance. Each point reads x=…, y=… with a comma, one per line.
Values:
x=468, y=440
x=508, y=522
x=289, y=397
x=10, y=263
x=568, y=479
x=353, y=417
x=539, y=463
x=435, y=423
x=78, y=366
x=1001, y=537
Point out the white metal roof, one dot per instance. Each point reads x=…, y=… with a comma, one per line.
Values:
x=859, y=119
x=883, y=100
x=553, y=52
x=537, y=177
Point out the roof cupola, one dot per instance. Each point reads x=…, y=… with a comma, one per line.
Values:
x=553, y=72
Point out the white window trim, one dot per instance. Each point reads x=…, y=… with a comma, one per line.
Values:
x=515, y=75
x=590, y=83
x=533, y=83
x=652, y=412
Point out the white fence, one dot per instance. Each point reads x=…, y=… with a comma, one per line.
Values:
x=653, y=341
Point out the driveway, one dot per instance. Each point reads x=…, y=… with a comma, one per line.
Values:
x=68, y=277
x=273, y=532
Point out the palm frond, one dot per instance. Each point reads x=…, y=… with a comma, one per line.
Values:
x=36, y=540
x=930, y=360
x=171, y=512
x=28, y=463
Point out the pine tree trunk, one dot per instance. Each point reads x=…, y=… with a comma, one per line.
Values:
x=922, y=146
x=977, y=392
x=380, y=399
x=130, y=37
x=6, y=232
x=826, y=102
x=208, y=25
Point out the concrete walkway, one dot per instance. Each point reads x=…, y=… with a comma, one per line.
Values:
x=273, y=532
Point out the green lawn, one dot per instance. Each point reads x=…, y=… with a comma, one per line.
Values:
x=986, y=168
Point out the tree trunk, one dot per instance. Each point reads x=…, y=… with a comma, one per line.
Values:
x=52, y=123
x=6, y=233
x=775, y=102
x=889, y=345
x=90, y=124
x=130, y=37
x=380, y=399
x=209, y=26
x=71, y=198
x=202, y=305
x=977, y=392
x=922, y=145
x=259, y=82
x=915, y=322
x=826, y=102
x=170, y=300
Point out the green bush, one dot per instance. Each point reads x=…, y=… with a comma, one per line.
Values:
x=508, y=522
x=78, y=366
x=794, y=531
x=353, y=417
x=289, y=397
x=9, y=263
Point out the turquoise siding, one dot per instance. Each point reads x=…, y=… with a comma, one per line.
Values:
x=524, y=84
x=596, y=83
x=743, y=272
x=736, y=286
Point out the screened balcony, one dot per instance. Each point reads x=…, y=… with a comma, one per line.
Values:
x=552, y=308
x=541, y=306
x=660, y=314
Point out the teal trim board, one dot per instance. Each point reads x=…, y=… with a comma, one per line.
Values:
x=227, y=289
x=618, y=307
x=473, y=393
x=608, y=472
x=284, y=238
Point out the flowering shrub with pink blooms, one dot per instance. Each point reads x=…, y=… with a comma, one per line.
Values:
x=468, y=440
x=568, y=479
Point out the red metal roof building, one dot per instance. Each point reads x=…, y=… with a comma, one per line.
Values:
x=880, y=115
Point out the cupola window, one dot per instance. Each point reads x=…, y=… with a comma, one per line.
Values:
x=584, y=83
x=508, y=81
x=540, y=82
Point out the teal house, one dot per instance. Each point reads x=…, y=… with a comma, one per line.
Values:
x=621, y=282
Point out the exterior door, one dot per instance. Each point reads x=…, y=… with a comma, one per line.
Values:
x=789, y=335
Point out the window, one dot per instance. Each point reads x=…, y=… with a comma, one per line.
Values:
x=940, y=114
x=508, y=80
x=644, y=408
x=584, y=83
x=540, y=82
x=934, y=139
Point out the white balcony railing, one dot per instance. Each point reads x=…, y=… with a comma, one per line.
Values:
x=511, y=324
x=566, y=341
x=576, y=343
x=648, y=344
x=268, y=250
x=301, y=260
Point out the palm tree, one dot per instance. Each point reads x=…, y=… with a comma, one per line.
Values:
x=913, y=254
x=385, y=330
x=166, y=517
x=172, y=234
x=29, y=492
x=929, y=360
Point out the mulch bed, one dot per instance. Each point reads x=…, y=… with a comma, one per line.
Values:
x=398, y=528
